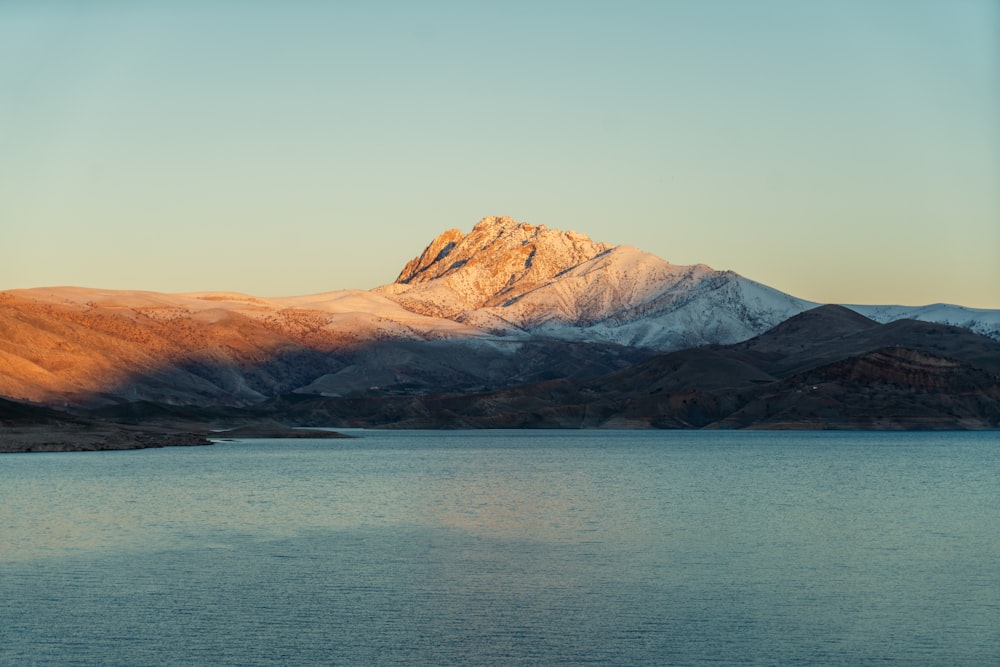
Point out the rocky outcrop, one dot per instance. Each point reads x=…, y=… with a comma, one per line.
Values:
x=432, y=256
x=500, y=258
x=498, y=261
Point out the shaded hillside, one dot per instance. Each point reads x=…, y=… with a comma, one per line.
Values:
x=895, y=387
x=15, y=413
x=826, y=368
x=826, y=334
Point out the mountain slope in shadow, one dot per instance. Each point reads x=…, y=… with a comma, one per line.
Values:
x=826, y=368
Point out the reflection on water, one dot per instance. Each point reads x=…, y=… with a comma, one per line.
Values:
x=507, y=548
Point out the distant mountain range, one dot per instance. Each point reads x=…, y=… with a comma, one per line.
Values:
x=507, y=305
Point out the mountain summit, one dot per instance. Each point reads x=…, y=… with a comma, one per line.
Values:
x=499, y=260
x=497, y=245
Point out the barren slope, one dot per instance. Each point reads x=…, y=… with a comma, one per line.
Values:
x=74, y=345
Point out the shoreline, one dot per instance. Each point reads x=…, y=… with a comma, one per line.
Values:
x=274, y=431
x=50, y=438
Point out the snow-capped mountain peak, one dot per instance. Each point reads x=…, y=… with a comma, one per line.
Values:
x=512, y=277
x=499, y=260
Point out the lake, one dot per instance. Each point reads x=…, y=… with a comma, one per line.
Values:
x=508, y=548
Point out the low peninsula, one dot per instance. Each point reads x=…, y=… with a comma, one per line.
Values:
x=33, y=428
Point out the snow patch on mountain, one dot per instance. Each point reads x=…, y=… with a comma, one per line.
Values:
x=981, y=321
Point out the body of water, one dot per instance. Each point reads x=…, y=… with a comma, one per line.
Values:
x=508, y=548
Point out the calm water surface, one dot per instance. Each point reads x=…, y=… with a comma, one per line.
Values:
x=508, y=548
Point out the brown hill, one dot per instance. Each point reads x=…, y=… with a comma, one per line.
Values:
x=827, y=334
x=890, y=388
x=68, y=353
x=228, y=350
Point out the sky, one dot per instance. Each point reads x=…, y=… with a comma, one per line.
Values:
x=843, y=151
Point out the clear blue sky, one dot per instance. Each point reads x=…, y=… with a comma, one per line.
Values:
x=840, y=150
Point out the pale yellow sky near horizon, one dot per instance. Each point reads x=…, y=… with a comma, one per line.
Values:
x=841, y=151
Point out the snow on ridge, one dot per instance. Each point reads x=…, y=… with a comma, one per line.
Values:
x=978, y=320
x=629, y=297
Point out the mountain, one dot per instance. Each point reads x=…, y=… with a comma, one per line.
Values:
x=828, y=367
x=512, y=278
x=507, y=304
